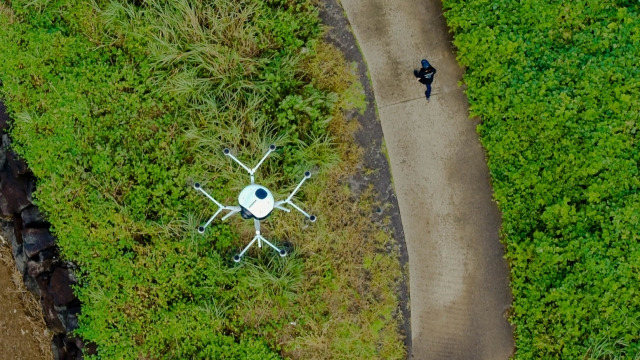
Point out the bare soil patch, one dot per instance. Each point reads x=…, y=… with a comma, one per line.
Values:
x=23, y=333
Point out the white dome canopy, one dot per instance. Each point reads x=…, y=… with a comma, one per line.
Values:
x=256, y=199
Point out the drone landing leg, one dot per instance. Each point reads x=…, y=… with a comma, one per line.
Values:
x=259, y=238
x=282, y=252
x=256, y=224
x=239, y=256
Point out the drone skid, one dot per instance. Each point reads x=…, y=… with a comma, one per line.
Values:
x=260, y=239
x=255, y=201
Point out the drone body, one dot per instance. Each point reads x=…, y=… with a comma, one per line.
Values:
x=255, y=202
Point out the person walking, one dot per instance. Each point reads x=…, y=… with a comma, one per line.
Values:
x=425, y=76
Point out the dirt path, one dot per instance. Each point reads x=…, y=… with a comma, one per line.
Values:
x=458, y=279
x=23, y=334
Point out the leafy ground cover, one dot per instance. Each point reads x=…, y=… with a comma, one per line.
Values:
x=120, y=106
x=557, y=86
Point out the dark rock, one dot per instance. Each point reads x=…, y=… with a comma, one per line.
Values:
x=58, y=348
x=6, y=141
x=51, y=316
x=90, y=348
x=3, y=158
x=33, y=218
x=4, y=149
x=30, y=187
x=4, y=117
x=79, y=342
x=14, y=196
x=5, y=207
x=31, y=284
x=63, y=314
x=17, y=228
x=60, y=287
x=73, y=351
x=17, y=165
x=49, y=253
x=25, y=228
x=9, y=233
x=72, y=319
x=35, y=268
x=21, y=260
x=36, y=240
x=43, y=285
x=72, y=276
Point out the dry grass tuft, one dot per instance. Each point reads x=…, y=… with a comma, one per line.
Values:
x=8, y=12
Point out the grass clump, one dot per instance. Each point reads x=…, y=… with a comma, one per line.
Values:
x=119, y=106
x=558, y=89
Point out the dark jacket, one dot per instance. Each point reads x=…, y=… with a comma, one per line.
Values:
x=425, y=75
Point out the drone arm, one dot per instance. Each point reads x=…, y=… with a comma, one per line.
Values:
x=282, y=208
x=278, y=205
x=246, y=248
x=302, y=211
x=234, y=210
x=307, y=175
x=203, y=227
x=199, y=188
x=272, y=148
x=228, y=153
x=211, y=218
x=270, y=244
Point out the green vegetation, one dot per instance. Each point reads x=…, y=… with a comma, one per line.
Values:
x=119, y=106
x=557, y=86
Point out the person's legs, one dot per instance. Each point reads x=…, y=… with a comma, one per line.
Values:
x=428, y=92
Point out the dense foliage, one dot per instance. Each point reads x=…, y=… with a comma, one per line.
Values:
x=557, y=86
x=119, y=106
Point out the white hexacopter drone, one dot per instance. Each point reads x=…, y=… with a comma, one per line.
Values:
x=255, y=202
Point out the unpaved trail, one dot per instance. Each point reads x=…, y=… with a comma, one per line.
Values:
x=458, y=278
x=23, y=334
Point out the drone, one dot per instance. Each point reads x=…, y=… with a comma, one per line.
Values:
x=255, y=202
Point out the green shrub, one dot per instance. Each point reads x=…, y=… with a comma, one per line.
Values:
x=557, y=87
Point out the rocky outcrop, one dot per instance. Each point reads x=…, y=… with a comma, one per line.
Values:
x=35, y=252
